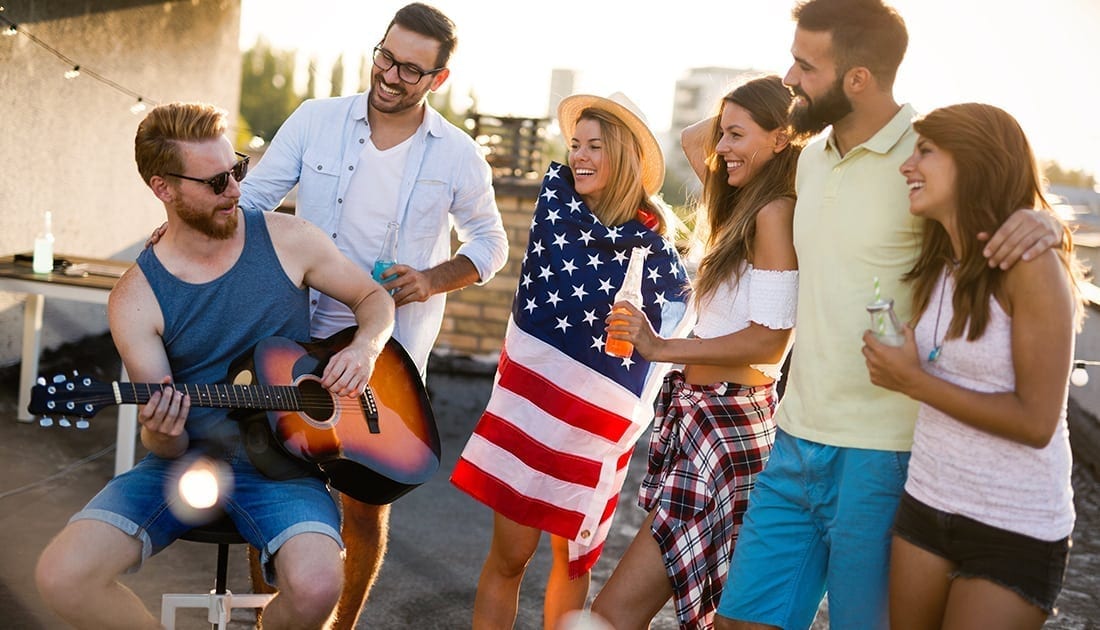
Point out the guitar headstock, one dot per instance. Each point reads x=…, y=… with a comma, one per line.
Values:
x=63, y=396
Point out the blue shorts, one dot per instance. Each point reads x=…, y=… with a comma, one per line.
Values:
x=144, y=503
x=818, y=520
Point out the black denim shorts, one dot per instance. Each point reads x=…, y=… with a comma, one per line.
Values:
x=1029, y=567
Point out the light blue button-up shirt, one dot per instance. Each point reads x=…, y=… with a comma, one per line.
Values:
x=446, y=183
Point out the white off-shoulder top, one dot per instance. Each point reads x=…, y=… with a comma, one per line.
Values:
x=766, y=297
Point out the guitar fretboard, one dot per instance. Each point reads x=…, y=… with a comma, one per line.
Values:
x=268, y=397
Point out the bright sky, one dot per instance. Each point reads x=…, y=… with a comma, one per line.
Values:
x=1037, y=60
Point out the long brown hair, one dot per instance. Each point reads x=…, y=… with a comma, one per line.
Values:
x=624, y=194
x=996, y=175
x=726, y=219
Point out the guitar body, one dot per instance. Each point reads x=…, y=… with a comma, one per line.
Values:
x=373, y=448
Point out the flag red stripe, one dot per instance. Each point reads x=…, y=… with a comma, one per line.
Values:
x=513, y=505
x=624, y=459
x=583, y=564
x=559, y=403
x=564, y=466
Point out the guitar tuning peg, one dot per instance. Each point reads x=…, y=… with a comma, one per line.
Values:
x=45, y=421
x=82, y=423
x=64, y=422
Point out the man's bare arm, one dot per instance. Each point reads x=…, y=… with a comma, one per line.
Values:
x=1023, y=236
x=136, y=323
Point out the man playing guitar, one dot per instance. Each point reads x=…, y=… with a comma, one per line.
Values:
x=219, y=280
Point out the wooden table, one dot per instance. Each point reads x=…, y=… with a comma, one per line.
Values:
x=18, y=277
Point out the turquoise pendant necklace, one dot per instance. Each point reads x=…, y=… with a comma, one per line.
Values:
x=935, y=353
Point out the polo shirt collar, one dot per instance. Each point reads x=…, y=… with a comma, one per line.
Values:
x=886, y=138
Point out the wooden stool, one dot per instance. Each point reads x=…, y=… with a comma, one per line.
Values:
x=220, y=601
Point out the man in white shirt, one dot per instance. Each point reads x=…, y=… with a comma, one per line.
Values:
x=363, y=161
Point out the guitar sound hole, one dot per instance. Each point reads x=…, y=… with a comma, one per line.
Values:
x=316, y=401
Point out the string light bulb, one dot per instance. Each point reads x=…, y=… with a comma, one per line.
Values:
x=138, y=107
x=72, y=74
x=11, y=29
x=1080, y=376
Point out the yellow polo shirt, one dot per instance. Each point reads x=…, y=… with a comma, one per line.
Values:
x=851, y=224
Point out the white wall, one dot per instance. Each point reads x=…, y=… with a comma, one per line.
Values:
x=67, y=145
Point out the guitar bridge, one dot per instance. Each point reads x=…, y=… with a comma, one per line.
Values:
x=370, y=411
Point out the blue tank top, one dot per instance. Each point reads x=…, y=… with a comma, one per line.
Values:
x=208, y=326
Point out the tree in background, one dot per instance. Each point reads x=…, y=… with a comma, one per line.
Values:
x=1056, y=174
x=311, y=78
x=267, y=89
x=337, y=79
x=364, y=72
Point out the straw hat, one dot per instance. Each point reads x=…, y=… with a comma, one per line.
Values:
x=653, y=162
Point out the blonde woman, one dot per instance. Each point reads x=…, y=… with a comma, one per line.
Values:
x=551, y=450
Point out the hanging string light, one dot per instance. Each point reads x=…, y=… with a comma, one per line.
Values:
x=10, y=28
x=141, y=103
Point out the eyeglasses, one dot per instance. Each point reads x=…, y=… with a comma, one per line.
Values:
x=408, y=72
x=221, y=180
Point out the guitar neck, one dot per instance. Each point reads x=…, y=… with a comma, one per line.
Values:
x=265, y=397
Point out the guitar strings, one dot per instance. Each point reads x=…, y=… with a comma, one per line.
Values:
x=341, y=402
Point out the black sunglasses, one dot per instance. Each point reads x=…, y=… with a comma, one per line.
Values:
x=221, y=180
x=407, y=71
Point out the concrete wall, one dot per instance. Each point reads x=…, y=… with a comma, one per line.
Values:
x=67, y=145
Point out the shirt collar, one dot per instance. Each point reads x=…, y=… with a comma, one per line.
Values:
x=886, y=138
x=359, y=108
x=432, y=123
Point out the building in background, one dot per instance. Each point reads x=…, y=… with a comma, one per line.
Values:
x=697, y=94
x=563, y=82
x=695, y=97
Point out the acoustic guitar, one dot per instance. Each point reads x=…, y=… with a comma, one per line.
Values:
x=373, y=448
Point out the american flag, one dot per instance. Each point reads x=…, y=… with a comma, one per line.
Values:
x=552, y=447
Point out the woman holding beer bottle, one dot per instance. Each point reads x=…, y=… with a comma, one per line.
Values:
x=714, y=429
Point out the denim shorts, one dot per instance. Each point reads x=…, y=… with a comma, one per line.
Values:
x=144, y=503
x=818, y=520
x=1031, y=568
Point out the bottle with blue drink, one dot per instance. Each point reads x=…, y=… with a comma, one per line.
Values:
x=388, y=256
